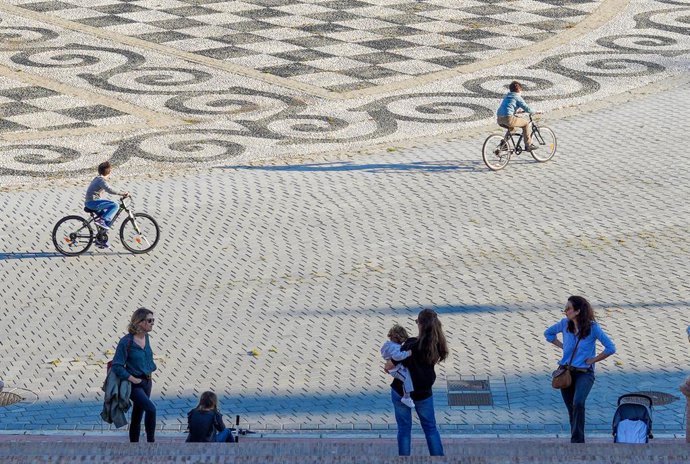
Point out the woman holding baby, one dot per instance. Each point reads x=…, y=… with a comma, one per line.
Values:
x=426, y=350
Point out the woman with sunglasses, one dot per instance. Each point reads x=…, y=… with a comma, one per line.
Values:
x=134, y=361
x=580, y=333
x=428, y=349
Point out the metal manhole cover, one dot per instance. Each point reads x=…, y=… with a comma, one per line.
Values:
x=659, y=398
x=463, y=392
x=9, y=398
x=470, y=399
x=468, y=385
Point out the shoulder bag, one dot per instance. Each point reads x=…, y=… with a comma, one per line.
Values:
x=561, y=378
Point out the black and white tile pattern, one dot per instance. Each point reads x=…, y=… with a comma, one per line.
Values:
x=33, y=108
x=338, y=45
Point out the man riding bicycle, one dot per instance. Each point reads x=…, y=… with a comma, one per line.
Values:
x=511, y=104
x=106, y=209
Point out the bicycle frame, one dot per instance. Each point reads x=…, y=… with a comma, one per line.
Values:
x=517, y=147
x=122, y=207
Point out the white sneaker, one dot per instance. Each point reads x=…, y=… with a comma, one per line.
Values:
x=407, y=401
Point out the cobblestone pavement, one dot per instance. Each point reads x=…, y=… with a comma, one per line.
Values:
x=200, y=85
x=309, y=264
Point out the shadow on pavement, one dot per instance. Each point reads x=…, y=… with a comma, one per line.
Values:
x=418, y=166
x=531, y=404
x=53, y=254
x=408, y=314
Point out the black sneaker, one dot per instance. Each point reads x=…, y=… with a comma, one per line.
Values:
x=532, y=147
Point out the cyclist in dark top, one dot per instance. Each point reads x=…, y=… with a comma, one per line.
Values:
x=428, y=349
x=205, y=422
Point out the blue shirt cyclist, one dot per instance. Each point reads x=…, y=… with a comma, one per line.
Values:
x=513, y=104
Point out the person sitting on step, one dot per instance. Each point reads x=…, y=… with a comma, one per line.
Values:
x=205, y=422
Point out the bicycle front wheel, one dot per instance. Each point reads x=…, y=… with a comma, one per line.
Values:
x=72, y=235
x=141, y=234
x=496, y=152
x=547, y=144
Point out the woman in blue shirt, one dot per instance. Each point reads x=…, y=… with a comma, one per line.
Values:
x=579, y=324
x=133, y=361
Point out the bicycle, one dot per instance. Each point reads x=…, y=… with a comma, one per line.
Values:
x=498, y=150
x=73, y=235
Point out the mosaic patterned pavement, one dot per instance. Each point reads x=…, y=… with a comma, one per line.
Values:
x=25, y=108
x=339, y=45
x=206, y=111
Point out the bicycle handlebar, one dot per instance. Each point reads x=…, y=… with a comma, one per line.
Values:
x=123, y=198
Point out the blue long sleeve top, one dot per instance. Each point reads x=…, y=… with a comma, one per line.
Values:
x=511, y=102
x=586, y=348
x=135, y=360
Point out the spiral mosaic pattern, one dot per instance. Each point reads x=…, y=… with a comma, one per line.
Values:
x=243, y=118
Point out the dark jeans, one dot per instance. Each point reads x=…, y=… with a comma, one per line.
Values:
x=574, y=398
x=427, y=418
x=225, y=436
x=140, y=395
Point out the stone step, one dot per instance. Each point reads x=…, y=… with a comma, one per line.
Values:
x=297, y=450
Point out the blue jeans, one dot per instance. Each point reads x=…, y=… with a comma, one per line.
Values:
x=425, y=412
x=106, y=208
x=141, y=402
x=574, y=398
x=225, y=436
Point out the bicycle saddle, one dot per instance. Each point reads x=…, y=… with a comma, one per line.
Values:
x=510, y=128
x=89, y=210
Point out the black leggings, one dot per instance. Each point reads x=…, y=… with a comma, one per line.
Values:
x=140, y=396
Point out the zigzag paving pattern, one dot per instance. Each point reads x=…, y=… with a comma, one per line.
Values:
x=296, y=246
x=310, y=264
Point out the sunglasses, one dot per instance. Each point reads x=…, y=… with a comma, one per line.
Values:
x=150, y=320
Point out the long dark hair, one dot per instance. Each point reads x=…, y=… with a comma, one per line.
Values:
x=585, y=318
x=208, y=402
x=431, y=343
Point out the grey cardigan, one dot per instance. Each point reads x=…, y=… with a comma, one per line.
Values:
x=116, y=401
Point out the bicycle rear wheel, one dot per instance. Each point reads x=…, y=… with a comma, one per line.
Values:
x=141, y=235
x=546, y=139
x=496, y=152
x=72, y=235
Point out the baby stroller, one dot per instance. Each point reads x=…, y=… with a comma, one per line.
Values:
x=632, y=422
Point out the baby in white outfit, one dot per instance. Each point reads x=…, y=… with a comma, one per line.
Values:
x=391, y=350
